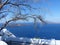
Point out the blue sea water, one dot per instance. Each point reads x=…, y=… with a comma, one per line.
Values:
x=47, y=31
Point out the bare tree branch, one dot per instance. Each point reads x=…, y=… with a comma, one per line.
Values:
x=16, y=16
x=2, y=17
x=41, y=19
x=1, y=12
x=4, y=25
x=14, y=19
x=0, y=1
x=1, y=5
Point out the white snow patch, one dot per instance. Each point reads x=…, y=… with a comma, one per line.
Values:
x=57, y=42
x=3, y=43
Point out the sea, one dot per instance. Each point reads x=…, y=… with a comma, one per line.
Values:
x=44, y=31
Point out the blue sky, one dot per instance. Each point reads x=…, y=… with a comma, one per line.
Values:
x=54, y=8
x=50, y=10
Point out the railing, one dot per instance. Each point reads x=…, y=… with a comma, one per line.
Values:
x=27, y=43
x=23, y=43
